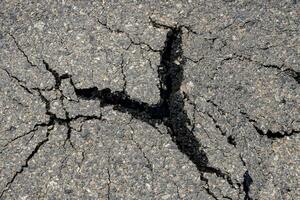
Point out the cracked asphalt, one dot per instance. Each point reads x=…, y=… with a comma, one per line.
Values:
x=150, y=99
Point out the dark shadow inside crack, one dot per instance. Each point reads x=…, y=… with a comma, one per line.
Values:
x=170, y=74
x=246, y=185
x=170, y=109
x=120, y=101
x=294, y=74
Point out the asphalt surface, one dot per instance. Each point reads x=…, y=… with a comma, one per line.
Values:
x=150, y=99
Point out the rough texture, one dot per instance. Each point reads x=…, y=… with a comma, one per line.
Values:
x=150, y=99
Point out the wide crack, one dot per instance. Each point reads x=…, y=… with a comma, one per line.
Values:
x=170, y=109
x=246, y=185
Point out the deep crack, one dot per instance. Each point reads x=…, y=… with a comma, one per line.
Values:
x=246, y=185
x=169, y=111
x=274, y=135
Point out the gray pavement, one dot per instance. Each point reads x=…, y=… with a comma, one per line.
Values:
x=150, y=99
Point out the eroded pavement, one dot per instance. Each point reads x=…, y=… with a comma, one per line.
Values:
x=149, y=100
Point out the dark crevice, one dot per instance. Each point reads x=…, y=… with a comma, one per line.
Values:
x=58, y=78
x=246, y=185
x=170, y=110
x=122, y=102
x=274, y=135
x=231, y=140
x=269, y=134
x=294, y=74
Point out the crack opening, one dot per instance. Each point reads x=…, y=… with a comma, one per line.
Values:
x=170, y=110
x=246, y=185
x=273, y=135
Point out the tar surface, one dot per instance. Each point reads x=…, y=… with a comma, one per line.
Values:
x=149, y=100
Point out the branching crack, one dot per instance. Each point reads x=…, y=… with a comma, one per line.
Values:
x=132, y=42
x=58, y=78
x=31, y=155
x=170, y=110
x=53, y=119
x=35, y=128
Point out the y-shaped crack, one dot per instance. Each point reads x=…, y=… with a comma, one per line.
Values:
x=169, y=111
